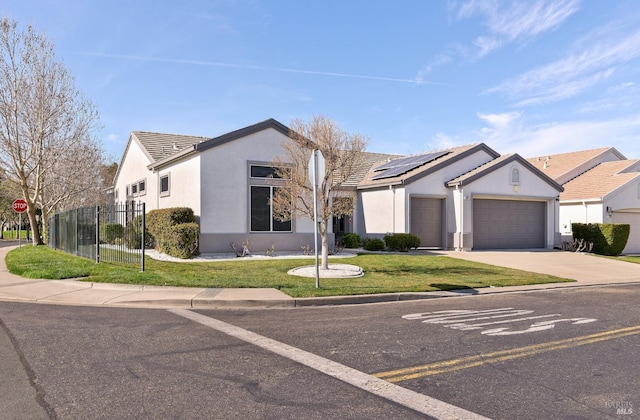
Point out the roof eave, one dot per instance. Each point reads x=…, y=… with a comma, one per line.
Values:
x=171, y=158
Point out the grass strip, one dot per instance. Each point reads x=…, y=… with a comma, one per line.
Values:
x=383, y=273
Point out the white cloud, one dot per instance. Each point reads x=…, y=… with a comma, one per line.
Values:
x=511, y=132
x=623, y=87
x=512, y=20
x=571, y=75
x=486, y=44
x=507, y=21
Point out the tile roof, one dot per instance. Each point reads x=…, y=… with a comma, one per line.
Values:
x=561, y=165
x=160, y=146
x=365, y=162
x=602, y=180
x=454, y=155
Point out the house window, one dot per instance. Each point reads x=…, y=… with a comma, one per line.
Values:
x=134, y=189
x=142, y=187
x=515, y=176
x=126, y=190
x=263, y=171
x=165, y=185
x=262, y=219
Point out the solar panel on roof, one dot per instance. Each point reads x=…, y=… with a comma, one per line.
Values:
x=403, y=165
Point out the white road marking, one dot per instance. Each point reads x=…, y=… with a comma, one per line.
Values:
x=459, y=319
x=538, y=326
x=411, y=399
x=465, y=327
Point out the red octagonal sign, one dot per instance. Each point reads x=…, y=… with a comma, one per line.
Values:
x=19, y=205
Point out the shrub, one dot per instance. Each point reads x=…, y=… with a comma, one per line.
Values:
x=373, y=244
x=607, y=238
x=111, y=232
x=133, y=234
x=175, y=230
x=182, y=241
x=401, y=241
x=351, y=240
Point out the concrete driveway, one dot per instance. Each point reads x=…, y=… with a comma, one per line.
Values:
x=585, y=268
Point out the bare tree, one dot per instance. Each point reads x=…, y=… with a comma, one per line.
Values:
x=45, y=124
x=8, y=193
x=342, y=153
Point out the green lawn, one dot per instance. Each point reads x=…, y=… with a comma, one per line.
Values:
x=383, y=273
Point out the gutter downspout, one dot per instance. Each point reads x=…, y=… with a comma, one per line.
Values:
x=393, y=209
x=460, y=247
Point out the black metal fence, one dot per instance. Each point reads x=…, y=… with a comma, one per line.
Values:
x=112, y=234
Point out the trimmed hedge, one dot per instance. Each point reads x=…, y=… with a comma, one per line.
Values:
x=402, y=242
x=351, y=240
x=175, y=230
x=132, y=235
x=182, y=240
x=110, y=232
x=373, y=244
x=608, y=238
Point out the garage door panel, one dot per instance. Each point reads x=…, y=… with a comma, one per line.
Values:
x=508, y=224
x=426, y=221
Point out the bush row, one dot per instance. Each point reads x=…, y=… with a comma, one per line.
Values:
x=402, y=242
x=607, y=238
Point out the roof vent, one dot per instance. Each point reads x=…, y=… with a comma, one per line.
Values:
x=175, y=145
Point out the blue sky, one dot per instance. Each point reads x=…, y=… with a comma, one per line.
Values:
x=533, y=77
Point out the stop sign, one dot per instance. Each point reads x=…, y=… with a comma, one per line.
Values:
x=19, y=205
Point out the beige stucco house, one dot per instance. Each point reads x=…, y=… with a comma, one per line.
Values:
x=461, y=198
x=600, y=186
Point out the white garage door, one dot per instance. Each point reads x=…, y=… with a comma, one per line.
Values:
x=633, y=219
x=426, y=221
x=508, y=224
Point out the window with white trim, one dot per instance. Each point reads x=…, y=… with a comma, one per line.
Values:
x=165, y=185
x=142, y=187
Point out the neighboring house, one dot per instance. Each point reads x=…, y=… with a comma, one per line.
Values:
x=462, y=198
x=600, y=186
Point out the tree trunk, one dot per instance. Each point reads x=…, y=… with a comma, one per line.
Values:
x=325, y=246
x=31, y=212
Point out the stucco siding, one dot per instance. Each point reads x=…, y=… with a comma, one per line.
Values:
x=380, y=208
x=134, y=169
x=184, y=185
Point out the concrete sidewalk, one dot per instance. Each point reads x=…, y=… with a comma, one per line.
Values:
x=587, y=270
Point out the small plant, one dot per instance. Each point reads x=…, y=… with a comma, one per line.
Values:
x=373, y=244
x=245, y=249
x=271, y=252
x=351, y=240
x=306, y=250
x=578, y=245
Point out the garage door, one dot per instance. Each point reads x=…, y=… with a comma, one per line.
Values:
x=508, y=224
x=633, y=219
x=426, y=221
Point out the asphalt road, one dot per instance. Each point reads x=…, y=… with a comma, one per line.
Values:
x=567, y=354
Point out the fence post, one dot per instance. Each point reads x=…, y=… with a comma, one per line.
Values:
x=97, y=234
x=143, y=234
x=77, y=233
